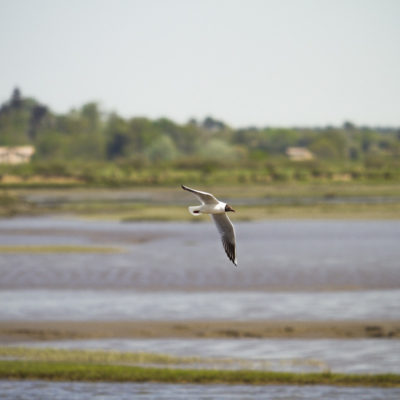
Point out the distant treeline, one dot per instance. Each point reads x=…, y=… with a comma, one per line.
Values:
x=89, y=135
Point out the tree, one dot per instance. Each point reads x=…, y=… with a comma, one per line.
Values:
x=91, y=114
x=324, y=148
x=117, y=136
x=16, y=99
x=217, y=149
x=212, y=124
x=37, y=115
x=348, y=126
x=163, y=149
x=278, y=140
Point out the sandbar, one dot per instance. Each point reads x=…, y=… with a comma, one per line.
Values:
x=22, y=331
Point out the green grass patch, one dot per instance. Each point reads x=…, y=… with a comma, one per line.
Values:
x=92, y=356
x=138, y=359
x=113, y=366
x=348, y=211
x=362, y=211
x=74, y=371
x=32, y=249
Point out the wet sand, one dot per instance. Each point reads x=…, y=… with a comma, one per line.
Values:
x=20, y=331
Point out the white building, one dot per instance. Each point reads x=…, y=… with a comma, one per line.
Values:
x=299, y=154
x=16, y=155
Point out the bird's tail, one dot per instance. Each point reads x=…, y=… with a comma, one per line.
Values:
x=194, y=210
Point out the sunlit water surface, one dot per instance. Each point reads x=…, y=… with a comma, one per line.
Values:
x=81, y=305
x=41, y=390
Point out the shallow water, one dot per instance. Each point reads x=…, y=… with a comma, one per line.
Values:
x=81, y=305
x=291, y=355
x=41, y=390
x=179, y=271
x=291, y=255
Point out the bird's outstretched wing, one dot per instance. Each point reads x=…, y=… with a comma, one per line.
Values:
x=204, y=197
x=227, y=233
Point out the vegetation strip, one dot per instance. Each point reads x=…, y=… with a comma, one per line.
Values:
x=121, y=373
x=92, y=356
x=295, y=200
x=22, y=331
x=90, y=147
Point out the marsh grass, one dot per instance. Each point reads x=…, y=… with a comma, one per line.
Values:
x=49, y=249
x=112, y=366
x=267, y=212
x=91, y=356
x=348, y=211
x=293, y=200
x=115, y=357
x=73, y=371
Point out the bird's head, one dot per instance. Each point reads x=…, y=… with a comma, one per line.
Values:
x=229, y=208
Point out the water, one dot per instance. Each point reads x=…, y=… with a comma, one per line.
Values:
x=273, y=255
x=291, y=355
x=112, y=305
x=289, y=270
x=38, y=390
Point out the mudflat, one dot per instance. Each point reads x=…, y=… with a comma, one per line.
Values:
x=19, y=331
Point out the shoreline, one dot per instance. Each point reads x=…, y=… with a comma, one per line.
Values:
x=291, y=200
x=24, y=331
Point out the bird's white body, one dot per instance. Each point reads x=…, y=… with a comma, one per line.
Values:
x=208, y=209
x=217, y=210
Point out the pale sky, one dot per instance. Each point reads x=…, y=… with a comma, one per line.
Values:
x=249, y=62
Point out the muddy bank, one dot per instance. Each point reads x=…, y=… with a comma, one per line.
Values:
x=16, y=331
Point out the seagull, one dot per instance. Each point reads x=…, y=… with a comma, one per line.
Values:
x=217, y=210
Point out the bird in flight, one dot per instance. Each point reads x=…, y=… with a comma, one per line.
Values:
x=217, y=210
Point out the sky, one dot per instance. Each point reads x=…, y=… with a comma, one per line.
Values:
x=245, y=62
